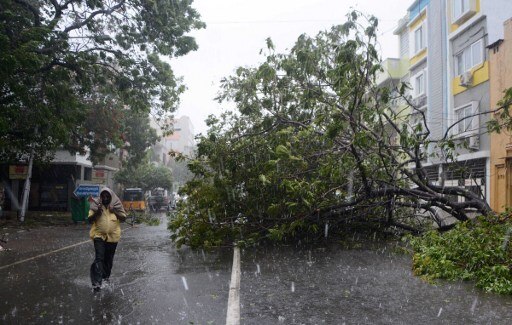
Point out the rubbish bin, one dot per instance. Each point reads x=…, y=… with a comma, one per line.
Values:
x=79, y=209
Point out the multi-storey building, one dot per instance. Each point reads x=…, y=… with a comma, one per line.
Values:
x=443, y=45
x=181, y=140
x=500, y=63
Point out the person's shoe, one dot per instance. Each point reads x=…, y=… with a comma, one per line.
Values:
x=96, y=288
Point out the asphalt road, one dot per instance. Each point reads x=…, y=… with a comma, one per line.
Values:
x=151, y=281
x=45, y=280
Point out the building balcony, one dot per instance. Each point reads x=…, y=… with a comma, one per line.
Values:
x=394, y=69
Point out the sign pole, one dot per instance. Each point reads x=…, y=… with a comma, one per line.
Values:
x=26, y=187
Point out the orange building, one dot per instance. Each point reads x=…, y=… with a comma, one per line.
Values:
x=500, y=61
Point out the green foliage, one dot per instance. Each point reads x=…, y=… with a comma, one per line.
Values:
x=150, y=220
x=69, y=72
x=145, y=217
x=311, y=142
x=145, y=175
x=479, y=251
x=265, y=171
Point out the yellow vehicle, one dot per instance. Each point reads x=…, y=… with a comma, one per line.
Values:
x=133, y=199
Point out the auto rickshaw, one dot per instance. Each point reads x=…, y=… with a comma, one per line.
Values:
x=133, y=199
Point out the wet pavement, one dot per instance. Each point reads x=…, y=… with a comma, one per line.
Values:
x=153, y=283
x=332, y=285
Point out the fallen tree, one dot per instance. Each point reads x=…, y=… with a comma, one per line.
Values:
x=314, y=147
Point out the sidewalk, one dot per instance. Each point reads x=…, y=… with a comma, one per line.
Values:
x=11, y=227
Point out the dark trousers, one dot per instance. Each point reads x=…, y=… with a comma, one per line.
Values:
x=102, y=265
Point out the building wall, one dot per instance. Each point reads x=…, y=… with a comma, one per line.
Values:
x=404, y=45
x=447, y=37
x=436, y=67
x=500, y=62
x=181, y=140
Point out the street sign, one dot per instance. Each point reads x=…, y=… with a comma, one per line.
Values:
x=84, y=190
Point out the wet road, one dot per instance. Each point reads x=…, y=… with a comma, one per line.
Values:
x=153, y=283
x=332, y=285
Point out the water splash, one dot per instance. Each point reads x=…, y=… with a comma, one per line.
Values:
x=309, y=261
x=185, y=301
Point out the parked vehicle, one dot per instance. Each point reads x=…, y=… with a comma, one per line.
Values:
x=160, y=199
x=133, y=199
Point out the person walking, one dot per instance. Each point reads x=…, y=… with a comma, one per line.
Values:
x=105, y=215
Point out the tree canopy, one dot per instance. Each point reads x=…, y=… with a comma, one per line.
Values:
x=146, y=176
x=313, y=147
x=69, y=69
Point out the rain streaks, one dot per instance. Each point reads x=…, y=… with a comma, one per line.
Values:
x=185, y=284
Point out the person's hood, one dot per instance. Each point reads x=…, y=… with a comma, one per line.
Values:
x=115, y=203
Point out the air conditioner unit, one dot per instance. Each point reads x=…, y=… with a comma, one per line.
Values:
x=474, y=142
x=419, y=102
x=466, y=79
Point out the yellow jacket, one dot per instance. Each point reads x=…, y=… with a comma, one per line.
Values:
x=106, y=226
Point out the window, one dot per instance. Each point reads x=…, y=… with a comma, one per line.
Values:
x=419, y=84
x=453, y=183
x=419, y=39
x=462, y=9
x=87, y=174
x=467, y=122
x=470, y=57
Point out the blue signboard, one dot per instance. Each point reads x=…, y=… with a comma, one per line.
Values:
x=84, y=190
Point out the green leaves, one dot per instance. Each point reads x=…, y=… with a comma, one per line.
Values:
x=146, y=176
x=62, y=66
x=479, y=251
x=282, y=151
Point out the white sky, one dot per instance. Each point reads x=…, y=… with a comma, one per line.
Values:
x=236, y=31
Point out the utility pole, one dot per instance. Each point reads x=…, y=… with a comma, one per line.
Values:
x=26, y=187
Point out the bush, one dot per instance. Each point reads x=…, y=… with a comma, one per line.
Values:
x=477, y=250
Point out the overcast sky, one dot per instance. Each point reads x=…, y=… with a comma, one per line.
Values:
x=236, y=31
